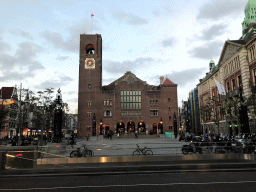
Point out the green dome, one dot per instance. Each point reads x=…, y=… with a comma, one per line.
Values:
x=212, y=61
x=250, y=14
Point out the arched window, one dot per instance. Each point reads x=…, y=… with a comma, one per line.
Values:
x=89, y=49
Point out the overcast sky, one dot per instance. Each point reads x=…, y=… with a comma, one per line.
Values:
x=39, y=40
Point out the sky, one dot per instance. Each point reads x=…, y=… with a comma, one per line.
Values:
x=39, y=40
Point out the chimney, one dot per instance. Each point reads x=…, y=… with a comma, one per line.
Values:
x=161, y=80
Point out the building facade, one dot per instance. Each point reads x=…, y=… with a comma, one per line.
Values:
x=126, y=105
x=194, y=111
x=236, y=71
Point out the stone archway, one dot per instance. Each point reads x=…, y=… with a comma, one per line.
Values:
x=130, y=127
x=141, y=127
x=120, y=128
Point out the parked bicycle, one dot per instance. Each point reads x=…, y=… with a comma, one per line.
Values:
x=143, y=151
x=82, y=153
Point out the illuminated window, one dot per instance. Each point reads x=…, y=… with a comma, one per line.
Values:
x=89, y=104
x=89, y=86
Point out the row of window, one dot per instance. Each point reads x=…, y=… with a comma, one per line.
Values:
x=235, y=83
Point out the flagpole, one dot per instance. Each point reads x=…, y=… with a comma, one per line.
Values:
x=91, y=24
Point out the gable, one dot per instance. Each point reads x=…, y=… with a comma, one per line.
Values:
x=130, y=78
x=228, y=51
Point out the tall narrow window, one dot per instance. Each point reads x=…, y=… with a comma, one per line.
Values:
x=254, y=76
x=228, y=87
x=240, y=80
x=233, y=84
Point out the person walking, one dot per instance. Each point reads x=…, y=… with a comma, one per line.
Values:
x=87, y=137
x=136, y=135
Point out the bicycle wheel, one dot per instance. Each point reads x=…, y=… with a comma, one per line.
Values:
x=73, y=154
x=148, y=152
x=136, y=153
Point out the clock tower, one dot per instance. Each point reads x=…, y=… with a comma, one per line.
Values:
x=90, y=82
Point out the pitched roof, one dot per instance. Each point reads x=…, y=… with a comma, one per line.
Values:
x=167, y=82
x=6, y=92
x=128, y=77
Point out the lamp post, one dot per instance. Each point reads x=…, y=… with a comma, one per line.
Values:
x=20, y=125
x=243, y=114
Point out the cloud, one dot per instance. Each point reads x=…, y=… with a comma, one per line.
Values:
x=63, y=58
x=218, y=9
x=70, y=44
x=208, y=50
x=183, y=77
x=114, y=67
x=59, y=81
x=22, y=64
x=213, y=32
x=128, y=18
x=168, y=42
x=22, y=34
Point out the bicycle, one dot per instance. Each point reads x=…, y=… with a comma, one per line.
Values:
x=84, y=153
x=143, y=151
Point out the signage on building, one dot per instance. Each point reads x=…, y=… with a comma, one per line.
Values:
x=9, y=102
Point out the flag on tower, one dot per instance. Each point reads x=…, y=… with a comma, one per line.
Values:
x=220, y=87
x=92, y=15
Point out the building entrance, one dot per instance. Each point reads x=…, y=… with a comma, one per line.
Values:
x=160, y=128
x=130, y=127
x=141, y=127
x=120, y=128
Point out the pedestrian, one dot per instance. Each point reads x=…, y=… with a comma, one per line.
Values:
x=136, y=135
x=87, y=137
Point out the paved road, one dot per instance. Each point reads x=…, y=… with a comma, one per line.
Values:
x=203, y=181
x=125, y=147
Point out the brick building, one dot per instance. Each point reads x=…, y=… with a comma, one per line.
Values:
x=125, y=105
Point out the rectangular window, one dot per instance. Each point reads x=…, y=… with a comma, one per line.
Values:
x=170, y=117
x=154, y=113
x=107, y=113
x=233, y=84
x=169, y=99
x=89, y=86
x=254, y=76
x=89, y=104
x=105, y=103
x=239, y=80
x=131, y=99
x=88, y=128
x=228, y=87
x=110, y=102
x=89, y=114
x=169, y=108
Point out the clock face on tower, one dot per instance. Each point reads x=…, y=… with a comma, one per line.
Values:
x=89, y=63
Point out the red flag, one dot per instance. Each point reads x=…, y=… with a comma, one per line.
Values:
x=92, y=15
